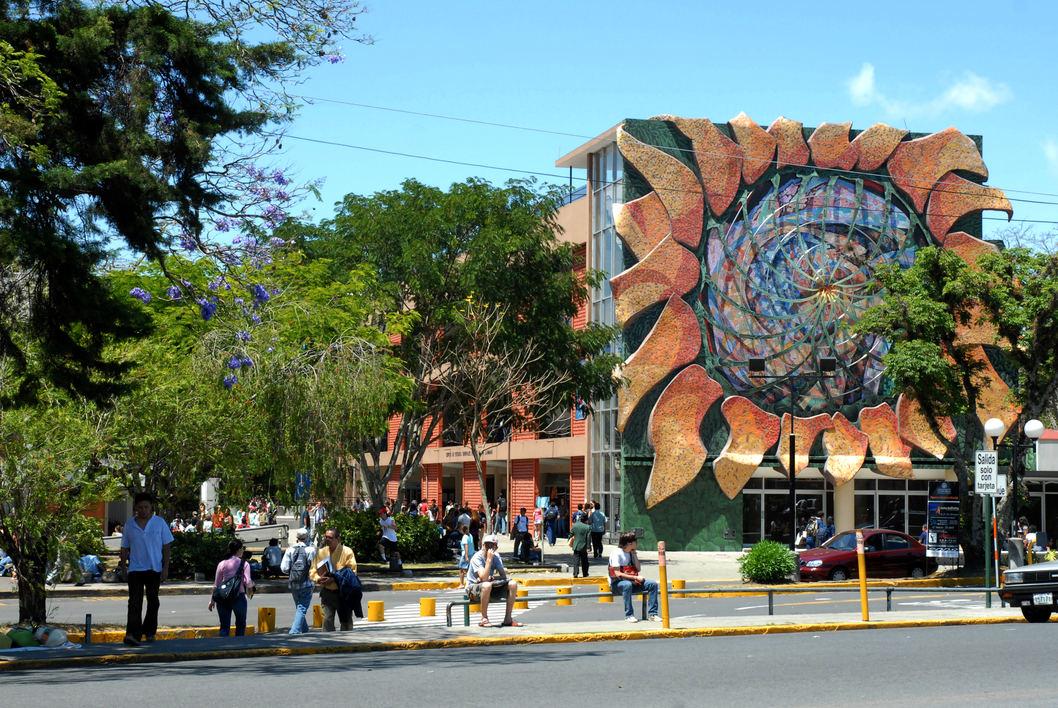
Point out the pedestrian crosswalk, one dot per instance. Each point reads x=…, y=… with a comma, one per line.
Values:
x=407, y=614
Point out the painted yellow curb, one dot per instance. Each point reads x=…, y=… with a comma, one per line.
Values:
x=479, y=641
x=115, y=636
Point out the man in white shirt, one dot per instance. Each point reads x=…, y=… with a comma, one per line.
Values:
x=145, y=551
x=626, y=577
x=296, y=563
x=487, y=579
x=389, y=537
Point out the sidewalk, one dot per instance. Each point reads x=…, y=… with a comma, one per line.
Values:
x=368, y=637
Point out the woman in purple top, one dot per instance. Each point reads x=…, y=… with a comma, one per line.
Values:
x=229, y=568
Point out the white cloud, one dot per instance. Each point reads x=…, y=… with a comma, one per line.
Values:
x=970, y=92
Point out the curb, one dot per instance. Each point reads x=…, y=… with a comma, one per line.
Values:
x=476, y=641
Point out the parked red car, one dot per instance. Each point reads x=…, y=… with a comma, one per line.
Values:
x=888, y=554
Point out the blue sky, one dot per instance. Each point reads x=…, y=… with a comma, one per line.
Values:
x=580, y=67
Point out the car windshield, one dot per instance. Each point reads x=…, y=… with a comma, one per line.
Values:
x=842, y=542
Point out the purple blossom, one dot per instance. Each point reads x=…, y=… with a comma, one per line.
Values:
x=281, y=195
x=237, y=239
x=141, y=294
x=270, y=349
x=239, y=301
x=224, y=224
x=274, y=215
x=230, y=380
x=247, y=362
x=275, y=291
x=254, y=172
x=242, y=335
x=276, y=242
x=206, y=308
x=279, y=178
x=234, y=363
x=174, y=293
x=188, y=243
x=186, y=283
x=256, y=319
x=216, y=282
x=334, y=58
x=260, y=294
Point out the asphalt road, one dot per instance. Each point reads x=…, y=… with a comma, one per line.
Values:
x=950, y=666
x=402, y=607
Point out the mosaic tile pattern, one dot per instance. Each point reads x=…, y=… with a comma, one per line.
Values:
x=915, y=427
x=670, y=269
x=846, y=447
x=875, y=145
x=719, y=161
x=753, y=433
x=917, y=165
x=831, y=147
x=892, y=456
x=806, y=431
x=642, y=223
x=954, y=197
x=757, y=145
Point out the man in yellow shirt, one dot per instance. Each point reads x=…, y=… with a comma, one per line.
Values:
x=332, y=557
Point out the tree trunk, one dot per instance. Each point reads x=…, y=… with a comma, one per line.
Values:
x=31, y=560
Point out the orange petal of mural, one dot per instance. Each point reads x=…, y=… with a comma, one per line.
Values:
x=954, y=197
x=790, y=139
x=994, y=399
x=753, y=432
x=831, y=147
x=914, y=427
x=674, y=433
x=917, y=165
x=673, y=342
x=757, y=144
x=979, y=329
x=642, y=223
x=892, y=456
x=670, y=269
x=846, y=448
x=719, y=161
x=674, y=183
x=806, y=430
x=876, y=144
x=968, y=247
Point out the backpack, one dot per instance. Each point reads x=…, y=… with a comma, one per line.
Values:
x=550, y=515
x=299, y=568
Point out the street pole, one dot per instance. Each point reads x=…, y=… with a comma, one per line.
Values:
x=988, y=560
x=663, y=581
x=793, y=483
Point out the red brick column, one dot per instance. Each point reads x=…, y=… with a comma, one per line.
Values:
x=525, y=477
x=392, y=484
x=431, y=482
x=578, y=483
x=471, y=488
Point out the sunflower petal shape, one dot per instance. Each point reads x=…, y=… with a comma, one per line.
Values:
x=753, y=432
x=642, y=223
x=954, y=197
x=994, y=399
x=758, y=147
x=892, y=456
x=917, y=165
x=674, y=433
x=790, y=141
x=846, y=448
x=670, y=269
x=675, y=184
x=875, y=145
x=719, y=161
x=978, y=329
x=914, y=426
x=831, y=147
x=806, y=430
x=674, y=342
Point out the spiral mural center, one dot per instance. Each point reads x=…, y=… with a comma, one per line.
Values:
x=790, y=278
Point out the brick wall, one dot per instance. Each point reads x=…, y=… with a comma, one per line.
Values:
x=577, y=483
x=525, y=476
x=431, y=482
x=471, y=487
x=393, y=483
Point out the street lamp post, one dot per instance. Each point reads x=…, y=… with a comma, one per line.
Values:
x=827, y=367
x=1033, y=429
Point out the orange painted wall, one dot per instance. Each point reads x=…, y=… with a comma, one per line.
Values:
x=577, y=483
x=471, y=487
x=431, y=482
x=525, y=476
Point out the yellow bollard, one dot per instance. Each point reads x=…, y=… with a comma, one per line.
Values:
x=861, y=565
x=475, y=607
x=427, y=606
x=317, y=616
x=663, y=582
x=376, y=611
x=605, y=587
x=266, y=619
x=563, y=591
x=679, y=584
x=522, y=604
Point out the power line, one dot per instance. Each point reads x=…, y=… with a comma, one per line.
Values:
x=775, y=162
x=554, y=175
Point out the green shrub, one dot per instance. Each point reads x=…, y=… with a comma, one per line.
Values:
x=198, y=553
x=417, y=536
x=81, y=535
x=767, y=562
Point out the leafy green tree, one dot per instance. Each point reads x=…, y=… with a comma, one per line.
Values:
x=430, y=250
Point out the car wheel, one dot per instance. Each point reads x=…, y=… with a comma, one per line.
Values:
x=918, y=572
x=839, y=574
x=1036, y=614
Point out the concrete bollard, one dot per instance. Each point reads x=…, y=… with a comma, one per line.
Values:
x=427, y=606
x=376, y=611
x=565, y=602
x=521, y=604
x=266, y=619
x=605, y=587
x=317, y=616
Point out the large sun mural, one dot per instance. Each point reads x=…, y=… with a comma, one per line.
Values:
x=743, y=242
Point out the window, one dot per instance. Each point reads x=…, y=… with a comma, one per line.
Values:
x=896, y=543
x=842, y=542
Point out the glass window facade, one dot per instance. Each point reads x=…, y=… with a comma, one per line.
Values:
x=891, y=504
x=766, y=507
x=606, y=255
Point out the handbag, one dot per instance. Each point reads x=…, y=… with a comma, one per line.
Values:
x=229, y=589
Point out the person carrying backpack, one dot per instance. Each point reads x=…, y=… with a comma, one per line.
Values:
x=296, y=563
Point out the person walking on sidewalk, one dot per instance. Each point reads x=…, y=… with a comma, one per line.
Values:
x=487, y=580
x=297, y=562
x=388, y=542
x=598, y=527
x=145, y=553
x=523, y=541
x=551, y=521
x=331, y=557
x=626, y=577
x=466, y=552
x=579, y=541
x=235, y=566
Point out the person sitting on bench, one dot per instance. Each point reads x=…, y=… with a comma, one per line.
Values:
x=487, y=580
x=626, y=577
